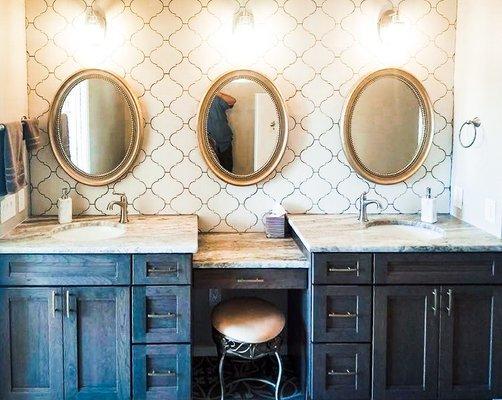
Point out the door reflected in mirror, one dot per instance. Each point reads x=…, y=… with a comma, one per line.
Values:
x=95, y=126
x=243, y=126
x=387, y=128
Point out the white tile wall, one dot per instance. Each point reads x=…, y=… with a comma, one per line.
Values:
x=170, y=51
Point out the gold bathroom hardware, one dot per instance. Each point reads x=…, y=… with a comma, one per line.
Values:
x=68, y=307
x=348, y=314
x=54, y=306
x=166, y=374
x=256, y=280
x=169, y=315
x=122, y=203
x=476, y=123
x=344, y=373
x=435, y=305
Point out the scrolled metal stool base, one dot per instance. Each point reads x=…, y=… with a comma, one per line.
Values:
x=248, y=351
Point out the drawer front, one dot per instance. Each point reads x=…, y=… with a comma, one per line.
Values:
x=161, y=314
x=341, y=314
x=256, y=278
x=67, y=270
x=335, y=269
x=341, y=371
x=438, y=268
x=162, y=372
x=162, y=269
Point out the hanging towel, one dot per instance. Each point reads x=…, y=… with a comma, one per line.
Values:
x=31, y=134
x=13, y=157
x=3, y=188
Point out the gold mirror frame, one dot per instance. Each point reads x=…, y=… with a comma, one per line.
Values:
x=55, y=139
x=427, y=114
x=203, y=139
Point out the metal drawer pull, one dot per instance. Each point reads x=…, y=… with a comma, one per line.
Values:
x=256, y=280
x=345, y=269
x=435, y=306
x=155, y=270
x=54, y=306
x=339, y=315
x=169, y=315
x=345, y=373
x=449, y=309
x=68, y=307
x=162, y=374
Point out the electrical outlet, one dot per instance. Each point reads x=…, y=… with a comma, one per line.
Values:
x=490, y=211
x=21, y=199
x=458, y=197
x=7, y=208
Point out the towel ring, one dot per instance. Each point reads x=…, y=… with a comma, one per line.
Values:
x=476, y=123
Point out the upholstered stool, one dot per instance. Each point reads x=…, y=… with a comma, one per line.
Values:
x=248, y=328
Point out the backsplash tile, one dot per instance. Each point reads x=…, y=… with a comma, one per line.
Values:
x=170, y=51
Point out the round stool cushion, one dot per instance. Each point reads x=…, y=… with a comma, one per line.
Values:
x=248, y=320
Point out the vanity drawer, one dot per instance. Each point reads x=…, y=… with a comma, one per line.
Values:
x=342, y=268
x=162, y=372
x=341, y=314
x=161, y=314
x=251, y=278
x=438, y=268
x=341, y=371
x=159, y=269
x=67, y=269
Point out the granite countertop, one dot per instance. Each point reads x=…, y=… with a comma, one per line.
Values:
x=247, y=250
x=343, y=233
x=143, y=234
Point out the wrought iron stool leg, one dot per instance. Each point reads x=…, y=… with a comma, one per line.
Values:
x=220, y=371
x=279, y=377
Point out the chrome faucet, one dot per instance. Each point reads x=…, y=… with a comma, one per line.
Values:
x=363, y=204
x=122, y=203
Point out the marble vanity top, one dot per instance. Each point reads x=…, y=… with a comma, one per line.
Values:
x=247, y=250
x=143, y=234
x=343, y=233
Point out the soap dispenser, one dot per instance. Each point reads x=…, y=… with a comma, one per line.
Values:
x=429, y=209
x=65, y=210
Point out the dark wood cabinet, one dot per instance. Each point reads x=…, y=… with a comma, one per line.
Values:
x=405, y=343
x=470, y=351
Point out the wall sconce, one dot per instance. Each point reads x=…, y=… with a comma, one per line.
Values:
x=392, y=29
x=95, y=25
x=243, y=21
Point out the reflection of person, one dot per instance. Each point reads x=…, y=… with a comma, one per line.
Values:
x=218, y=128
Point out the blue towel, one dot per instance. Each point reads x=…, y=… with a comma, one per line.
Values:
x=13, y=158
x=3, y=188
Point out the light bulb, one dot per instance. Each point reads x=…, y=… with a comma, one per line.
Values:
x=392, y=29
x=95, y=26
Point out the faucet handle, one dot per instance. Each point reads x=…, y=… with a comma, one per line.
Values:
x=122, y=195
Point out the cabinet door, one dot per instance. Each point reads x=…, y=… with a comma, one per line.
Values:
x=97, y=343
x=31, y=344
x=406, y=336
x=471, y=343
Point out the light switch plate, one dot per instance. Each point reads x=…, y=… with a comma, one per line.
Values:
x=21, y=199
x=458, y=197
x=7, y=208
x=490, y=211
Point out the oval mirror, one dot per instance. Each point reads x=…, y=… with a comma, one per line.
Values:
x=242, y=127
x=95, y=127
x=387, y=127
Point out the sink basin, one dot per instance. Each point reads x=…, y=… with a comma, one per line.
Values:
x=406, y=229
x=89, y=231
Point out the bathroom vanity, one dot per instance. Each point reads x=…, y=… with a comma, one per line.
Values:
x=113, y=319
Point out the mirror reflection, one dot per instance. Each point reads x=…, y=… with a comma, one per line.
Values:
x=95, y=126
x=242, y=126
x=387, y=126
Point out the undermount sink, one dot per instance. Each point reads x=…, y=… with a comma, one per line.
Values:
x=406, y=229
x=89, y=231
